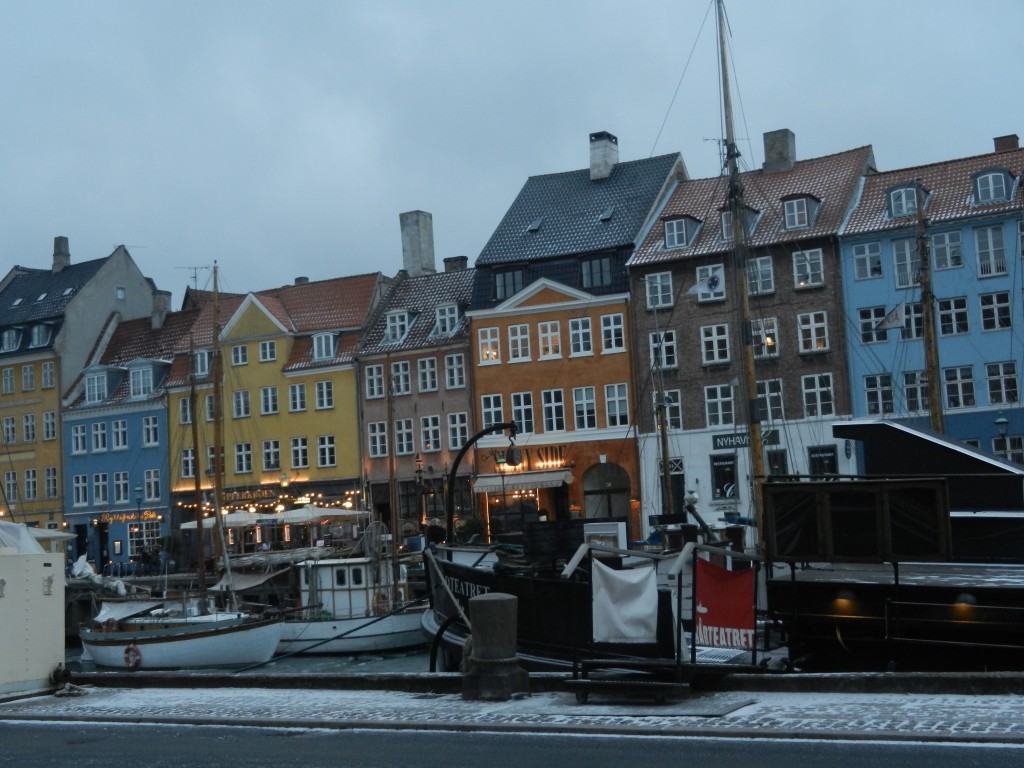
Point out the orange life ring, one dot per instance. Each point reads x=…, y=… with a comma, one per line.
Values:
x=132, y=656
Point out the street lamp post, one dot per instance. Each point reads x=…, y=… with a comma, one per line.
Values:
x=419, y=491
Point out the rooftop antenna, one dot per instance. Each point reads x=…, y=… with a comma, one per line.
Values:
x=195, y=275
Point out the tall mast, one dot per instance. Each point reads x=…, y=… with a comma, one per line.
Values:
x=931, y=342
x=197, y=480
x=739, y=234
x=218, y=437
x=661, y=416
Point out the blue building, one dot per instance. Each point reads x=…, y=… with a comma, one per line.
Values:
x=971, y=222
x=115, y=433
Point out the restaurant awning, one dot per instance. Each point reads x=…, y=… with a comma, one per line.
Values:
x=517, y=481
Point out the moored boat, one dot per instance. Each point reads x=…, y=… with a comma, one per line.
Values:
x=149, y=635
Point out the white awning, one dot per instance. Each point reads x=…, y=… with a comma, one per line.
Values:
x=516, y=481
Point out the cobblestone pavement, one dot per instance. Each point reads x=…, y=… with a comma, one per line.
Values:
x=913, y=717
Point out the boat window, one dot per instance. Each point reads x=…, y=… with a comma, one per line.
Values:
x=341, y=576
x=357, y=576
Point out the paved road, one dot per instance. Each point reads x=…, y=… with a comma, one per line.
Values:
x=808, y=714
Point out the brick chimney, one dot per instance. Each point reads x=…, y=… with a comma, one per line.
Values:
x=779, y=150
x=604, y=155
x=61, y=254
x=417, y=243
x=455, y=263
x=1007, y=143
x=161, y=306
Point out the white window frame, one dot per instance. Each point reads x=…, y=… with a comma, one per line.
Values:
x=616, y=405
x=796, y=212
x=659, y=290
x=522, y=411
x=714, y=344
x=401, y=378
x=324, y=395
x=268, y=351
x=662, y=346
x=150, y=431
x=760, y=276
x=719, y=405
x=584, y=407
x=373, y=381
x=458, y=430
x=377, y=439
x=947, y=250
x=518, y=343
x=549, y=339
x=953, y=316
x=141, y=382
x=553, y=408
x=426, y=374
x=581, y=337
x=808, y=268
x=268, y=400
x=958, y=387
x=240, y=407
x=489, y=345
x=240, y=354
x=326, y=451
x=492, y=410
x=455, y=371
x=430, y=433
x=990, y=250
x=812, y=332
x=995, y=311
x=324, y=346
x=613, y=333
x=817, y=392
x=297, y=397
x=867, y=261
x=765, y=337
x=404, y=440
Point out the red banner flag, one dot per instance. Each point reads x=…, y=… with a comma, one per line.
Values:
x=724, y=607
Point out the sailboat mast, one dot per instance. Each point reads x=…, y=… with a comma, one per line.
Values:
x=197, y=480
x=737, y=209
x=931, y=342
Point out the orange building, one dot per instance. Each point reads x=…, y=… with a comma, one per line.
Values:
x=550, y=340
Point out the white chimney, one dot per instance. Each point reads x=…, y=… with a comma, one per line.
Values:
x=417, y=242
x=604, y=154
x=161, y=306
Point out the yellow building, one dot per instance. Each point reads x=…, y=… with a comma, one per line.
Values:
x=290, y=432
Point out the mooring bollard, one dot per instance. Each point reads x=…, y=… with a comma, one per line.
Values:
x=492, y=672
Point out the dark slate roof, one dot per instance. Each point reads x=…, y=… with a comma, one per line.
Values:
x=569, y=208
x=59, y=289
x=420, y=296
x=832, y=180
x=949, y=186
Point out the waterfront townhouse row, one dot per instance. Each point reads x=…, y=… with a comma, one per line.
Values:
x=602, y=317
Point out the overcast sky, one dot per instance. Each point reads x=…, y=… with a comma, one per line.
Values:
x=284, y=138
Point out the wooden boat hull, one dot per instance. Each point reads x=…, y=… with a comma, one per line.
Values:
x=352, y=635
x=169, y=645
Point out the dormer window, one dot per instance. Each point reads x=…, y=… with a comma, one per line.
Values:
x=40, y=335
x=596, y=273
x=446, y=319
x=903, y=201
x=41, y=297
x=201, y=362
x=991, y=187
x=397, y=326
x=508, y=283
x=141, y=382
x=799, y=212
x=726, y=220
x=96, y=388
x=323, y=346
x=10, y=340
x=679, y=233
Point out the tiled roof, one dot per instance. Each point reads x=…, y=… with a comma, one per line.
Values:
x=832, y=180
x=343, y=302
x=566, y=213
x=420, y=297
x=58, y=290
x=949, y=186
x=135, y=339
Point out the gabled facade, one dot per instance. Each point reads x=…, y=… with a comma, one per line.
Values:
x=290, y=431
x=971, y=223
x=50, y=320
x=414, y=388
x=552, y=342
x=689, y=330
x=115, y=429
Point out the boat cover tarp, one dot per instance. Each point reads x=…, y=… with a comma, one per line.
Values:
x=242, y=581
x=118, y=611
x=625, y=604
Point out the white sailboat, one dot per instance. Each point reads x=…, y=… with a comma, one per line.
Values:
x=190, y=631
